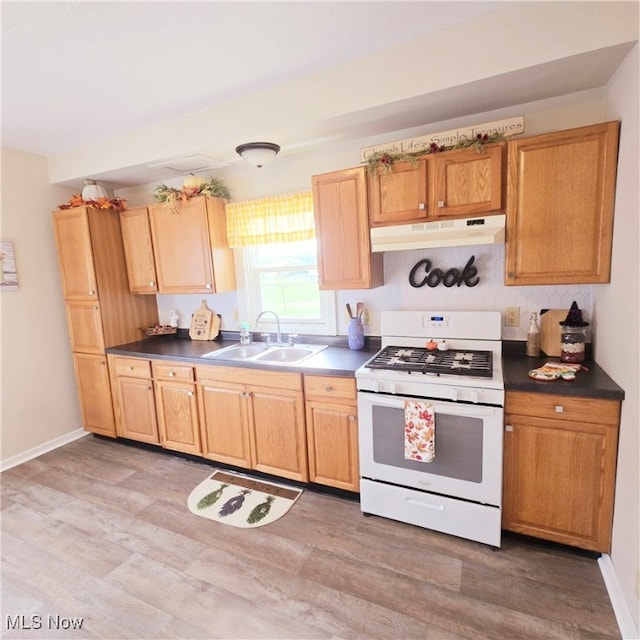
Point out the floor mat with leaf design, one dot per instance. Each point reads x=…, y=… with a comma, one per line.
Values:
x=241, y=501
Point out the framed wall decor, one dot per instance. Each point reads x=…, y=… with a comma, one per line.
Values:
x=8, y=271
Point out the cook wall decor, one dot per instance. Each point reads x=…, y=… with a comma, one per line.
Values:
x=8, y=271
x=433, y=277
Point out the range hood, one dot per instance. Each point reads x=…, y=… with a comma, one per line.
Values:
x=441, y=233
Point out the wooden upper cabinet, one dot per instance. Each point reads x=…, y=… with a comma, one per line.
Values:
x=399, y=195
x=75, y=254
x=181, y=242
x=190, y=247
x=138, y=249
x=467, y=182
x=345, y=260
x=560, y=197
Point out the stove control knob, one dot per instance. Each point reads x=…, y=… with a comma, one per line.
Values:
x=393, y=388
x=474, y=396
x=454, y=394
x=376, y=386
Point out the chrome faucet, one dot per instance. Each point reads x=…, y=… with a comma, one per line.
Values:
x=273, y=313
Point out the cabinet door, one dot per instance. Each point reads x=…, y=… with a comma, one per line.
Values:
x=332, y=440
x=138, y=250
x=344, y=246
x=178, y=416
x=399, y=195
x=560, y=196
x=136, y=410
x=94, y=392
x=85, y=327
x=75, y=254
x=181, y=244
x=223, y=422
x=559, y=480
x=467, y=182
x=277, y=432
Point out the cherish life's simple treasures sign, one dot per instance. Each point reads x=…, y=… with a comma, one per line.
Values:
x=509, y=127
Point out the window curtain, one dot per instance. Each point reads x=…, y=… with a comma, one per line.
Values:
x=282, y=218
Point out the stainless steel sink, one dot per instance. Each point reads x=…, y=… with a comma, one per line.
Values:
x=259, y=352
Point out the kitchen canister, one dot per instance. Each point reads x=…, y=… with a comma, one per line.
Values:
x=356, y=334
x=573, y=336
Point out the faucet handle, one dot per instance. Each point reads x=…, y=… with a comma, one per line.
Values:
x=292, y=336
x=268, y=338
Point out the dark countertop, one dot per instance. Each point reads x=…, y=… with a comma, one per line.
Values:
x=336, y=360
x=594, y=383
x=339, y=360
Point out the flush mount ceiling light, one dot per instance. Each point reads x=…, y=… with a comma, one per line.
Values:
x=258, y=153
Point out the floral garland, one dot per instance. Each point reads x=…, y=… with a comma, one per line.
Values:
x=117, y=204
x=215, y=188
x=386, y=159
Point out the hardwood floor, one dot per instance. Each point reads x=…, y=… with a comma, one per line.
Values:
x=99, y=531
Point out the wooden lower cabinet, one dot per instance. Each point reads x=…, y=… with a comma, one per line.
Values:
x=94, y=392
x=134, y=399
x=177, y=407
x=257, y=426
x=559, y=468
x=332, y=431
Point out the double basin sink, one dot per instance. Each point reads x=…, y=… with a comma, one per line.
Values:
x=259, y=352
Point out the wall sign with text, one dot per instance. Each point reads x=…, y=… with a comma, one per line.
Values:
x=422, y=274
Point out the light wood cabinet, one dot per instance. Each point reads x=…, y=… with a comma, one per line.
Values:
x=190, y=248
x=467, y=182
x=138, y=249
x=271, y=413
x=332, y=431
x=134, y=399
x=101, y=311
x=177, y=407
x=345, y=260
x=559, y=468
x=399, y=195
x=449, y=184
x=560, y=198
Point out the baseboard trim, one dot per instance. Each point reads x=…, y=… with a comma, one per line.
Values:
x=623, y=615
x=45, y=447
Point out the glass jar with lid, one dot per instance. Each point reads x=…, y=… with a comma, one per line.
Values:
x=572, y=343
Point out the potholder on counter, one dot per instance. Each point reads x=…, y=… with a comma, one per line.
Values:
x=555, y=370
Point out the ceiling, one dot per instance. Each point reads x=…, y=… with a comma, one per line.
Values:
x=82, y=76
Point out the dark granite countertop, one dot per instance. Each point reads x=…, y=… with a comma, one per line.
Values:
x=336, y=360
x=593, y=383
x=339, y=360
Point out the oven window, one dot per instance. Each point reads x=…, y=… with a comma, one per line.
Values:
x=458, y=444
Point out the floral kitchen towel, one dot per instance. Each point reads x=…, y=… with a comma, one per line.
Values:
x=419, y=431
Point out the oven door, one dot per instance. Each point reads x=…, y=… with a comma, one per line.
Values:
x=468, y=448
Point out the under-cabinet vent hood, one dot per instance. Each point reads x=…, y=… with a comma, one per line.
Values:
x=442, y=233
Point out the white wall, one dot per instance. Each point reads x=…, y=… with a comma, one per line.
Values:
x=617, y=314
x=39, y=399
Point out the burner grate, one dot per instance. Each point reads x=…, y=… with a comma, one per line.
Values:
x=419, y=360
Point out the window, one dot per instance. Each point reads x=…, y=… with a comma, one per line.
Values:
x=283, y=277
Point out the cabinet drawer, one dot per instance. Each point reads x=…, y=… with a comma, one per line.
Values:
x=572, y=408
x=330, y=388
x=172, y=371
x=131, y=367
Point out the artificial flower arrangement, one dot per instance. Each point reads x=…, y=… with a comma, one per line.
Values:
x=386, y=159
x=117, y=204
x=192, y=186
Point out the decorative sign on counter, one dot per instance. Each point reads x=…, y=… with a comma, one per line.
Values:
x=507, y=127
x=433, y=277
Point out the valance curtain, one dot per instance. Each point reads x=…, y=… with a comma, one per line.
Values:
x=282, y=218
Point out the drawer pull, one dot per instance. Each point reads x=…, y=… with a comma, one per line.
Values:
x=508, y=427
x=131, y=368
x=440, y=204
x=328, y=388
x=426, y=505
x=559, y=408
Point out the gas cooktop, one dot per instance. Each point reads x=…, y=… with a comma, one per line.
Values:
x=421, y=360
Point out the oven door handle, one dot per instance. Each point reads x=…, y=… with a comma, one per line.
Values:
x=425, y=505
x=452, y=408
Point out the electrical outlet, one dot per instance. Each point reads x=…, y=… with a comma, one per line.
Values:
x=512, y=317
x=236, y=315
x=366, y=317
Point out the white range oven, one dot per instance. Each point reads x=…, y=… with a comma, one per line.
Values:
x=458, y=378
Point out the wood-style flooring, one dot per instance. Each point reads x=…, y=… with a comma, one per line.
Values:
x=99, y=531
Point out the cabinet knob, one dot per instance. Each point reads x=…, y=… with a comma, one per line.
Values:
x=92, y=292
x=440, y=204
x=152, y=284
x=351, y=417
x=171, y=374
x=131, y=368
x=559, y=408
x=95, y=307
x=208, y=286
x=508, y=427
x=328, y=388
x=189, y=393
x=421, y=206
